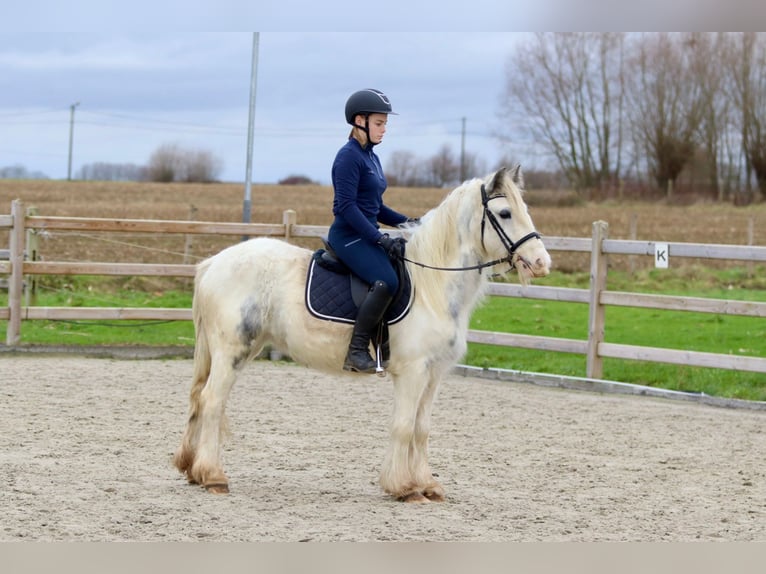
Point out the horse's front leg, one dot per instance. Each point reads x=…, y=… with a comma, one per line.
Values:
x=397, y=477
x=419, y=467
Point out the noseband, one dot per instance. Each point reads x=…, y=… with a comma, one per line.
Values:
x=507, y=242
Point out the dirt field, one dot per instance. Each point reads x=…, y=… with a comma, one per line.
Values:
x=85, y=449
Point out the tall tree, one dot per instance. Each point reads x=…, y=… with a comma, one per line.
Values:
x=707, y=61
x=665, y=105
x=748, y=69
x=566, y=88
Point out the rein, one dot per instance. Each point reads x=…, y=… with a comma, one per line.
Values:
x=507, y=242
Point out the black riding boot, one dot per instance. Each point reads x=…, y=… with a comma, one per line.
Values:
x=370, y=313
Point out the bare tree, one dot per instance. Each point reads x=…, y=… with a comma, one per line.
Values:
x=200, y=166
x=170, y=162
x=164, y=163
x=404, y=169
x=566, y=88
x=473, y=165
x=443, y=168
x=18, y=171
x=106, y=171
x=748, y=69
x=665, y=105
x=707, y=63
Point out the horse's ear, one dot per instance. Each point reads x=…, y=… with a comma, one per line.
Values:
x=517, y=177
x=496, y=181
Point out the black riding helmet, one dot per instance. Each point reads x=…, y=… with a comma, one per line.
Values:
x=367, y=102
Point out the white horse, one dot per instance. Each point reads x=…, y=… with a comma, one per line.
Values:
x=252, y=294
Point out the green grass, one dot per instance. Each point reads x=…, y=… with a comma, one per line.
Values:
x=90, y=292
x=647, y=327
x=712, y=333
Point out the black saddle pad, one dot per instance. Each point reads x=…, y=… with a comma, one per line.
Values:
x=329, y=297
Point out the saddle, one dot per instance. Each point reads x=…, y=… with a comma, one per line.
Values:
x=334, y=293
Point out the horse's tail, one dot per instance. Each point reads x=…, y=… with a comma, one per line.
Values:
x=184, y=457
x=201, y=349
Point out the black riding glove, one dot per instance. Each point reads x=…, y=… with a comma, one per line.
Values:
x=393, y=246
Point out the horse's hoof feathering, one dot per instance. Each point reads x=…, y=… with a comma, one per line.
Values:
x=217, y=488
x=414, y=498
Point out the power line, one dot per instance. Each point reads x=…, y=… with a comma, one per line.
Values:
x=35, y=113
x=164, y=121
x=155, y=124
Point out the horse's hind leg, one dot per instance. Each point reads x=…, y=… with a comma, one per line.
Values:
x=211, y=426
x=184, y=457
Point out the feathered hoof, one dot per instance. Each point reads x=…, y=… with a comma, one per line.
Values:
x=434, y=493
x=217, y=488
x=414, y=498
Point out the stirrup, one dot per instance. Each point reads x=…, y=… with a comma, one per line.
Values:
x=382, y=349
x=380, y=367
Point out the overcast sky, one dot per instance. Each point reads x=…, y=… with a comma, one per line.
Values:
x=140, y=90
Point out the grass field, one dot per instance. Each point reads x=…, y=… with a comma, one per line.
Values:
x=703, y=223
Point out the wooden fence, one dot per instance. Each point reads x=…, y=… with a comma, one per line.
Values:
x=597, y=297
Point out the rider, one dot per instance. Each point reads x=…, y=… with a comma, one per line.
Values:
x=359, y=183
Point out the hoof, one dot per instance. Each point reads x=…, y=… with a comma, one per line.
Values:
x=434, y=493
x=217, y=488
x=414, y=498
x=434, y=496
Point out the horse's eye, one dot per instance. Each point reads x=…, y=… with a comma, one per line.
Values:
x=505, y=214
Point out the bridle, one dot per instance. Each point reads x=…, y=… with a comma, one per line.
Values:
x=507, y=242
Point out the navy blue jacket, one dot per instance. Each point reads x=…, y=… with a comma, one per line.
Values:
x=359, y=183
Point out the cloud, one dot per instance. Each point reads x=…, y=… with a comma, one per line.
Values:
x=138, y=91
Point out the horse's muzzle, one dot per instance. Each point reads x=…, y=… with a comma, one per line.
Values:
x=539, y=268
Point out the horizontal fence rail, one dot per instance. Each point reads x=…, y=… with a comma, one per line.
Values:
x=597, y=297
x=152, y=226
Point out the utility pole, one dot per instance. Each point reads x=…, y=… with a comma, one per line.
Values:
x=249, y=170
x=71, y=139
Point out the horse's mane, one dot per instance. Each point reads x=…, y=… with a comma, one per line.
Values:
x=437, y=242
x=450, y=235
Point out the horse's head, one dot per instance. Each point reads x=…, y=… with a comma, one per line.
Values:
x=507, y=229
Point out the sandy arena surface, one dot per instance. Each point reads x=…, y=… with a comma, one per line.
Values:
x=86, y=447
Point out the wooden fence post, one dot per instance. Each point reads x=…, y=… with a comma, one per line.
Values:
x=16, y=282
x=632, y=234
x=189, y=238
x=289, y=218
x=33, y=254
x=751, y=241
x=596, y=315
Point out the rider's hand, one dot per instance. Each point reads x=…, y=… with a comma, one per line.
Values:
x=393, y=246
